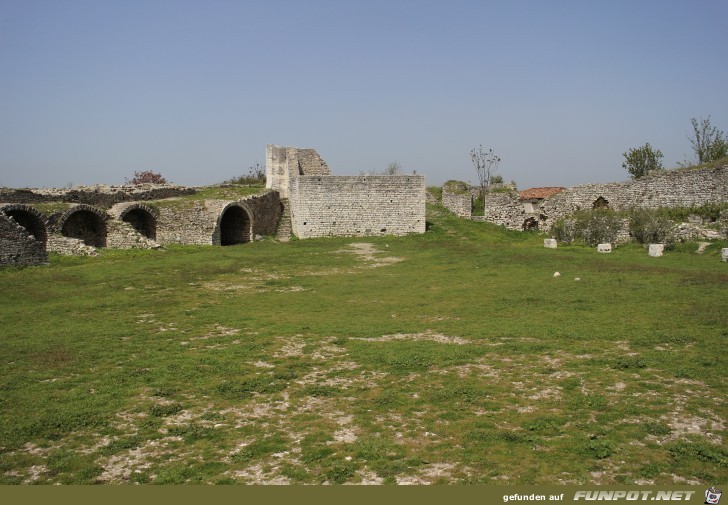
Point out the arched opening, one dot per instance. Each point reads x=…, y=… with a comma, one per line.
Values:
x=530, y=224
x=87, y=226
x=30, y=221
x=142, y=221
x=234, y=226
x=601, y=203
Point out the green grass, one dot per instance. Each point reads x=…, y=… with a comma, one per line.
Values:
x=225, y=192
x=449, y=357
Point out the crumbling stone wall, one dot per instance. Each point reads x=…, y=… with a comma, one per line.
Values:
x=82, y=222
x=18, y=246
x=357, y=205
x=29, y=218
x=310, y=163
x=670, y=188
x=100, y=196
x=459, y=203
x=284, y=163
x=204, y=222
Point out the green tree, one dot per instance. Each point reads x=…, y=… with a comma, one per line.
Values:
x=709, y=143
x=640, y=161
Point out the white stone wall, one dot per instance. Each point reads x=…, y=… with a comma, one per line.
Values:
x=357, y=205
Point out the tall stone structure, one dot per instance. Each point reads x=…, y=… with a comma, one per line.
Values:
x=324, y=205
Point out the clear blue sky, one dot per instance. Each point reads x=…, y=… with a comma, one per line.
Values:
x=91, y=91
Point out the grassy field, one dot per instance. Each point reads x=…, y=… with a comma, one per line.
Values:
x=450, y=357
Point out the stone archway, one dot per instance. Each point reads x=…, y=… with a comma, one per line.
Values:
x=235, y=226
x=84, y=223
x=143, y=219
x=30, y=219
x=530, y=224
x=601, y=203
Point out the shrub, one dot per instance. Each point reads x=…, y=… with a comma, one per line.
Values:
x=652, y=227
x=563, y=230
x=597, y=226
x=591, y=227
x=146, y=177
x=256, y=175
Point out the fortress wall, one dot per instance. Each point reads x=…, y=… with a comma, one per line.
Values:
x=669, y=188
x=101, y=196
x=18, y=246
x=459, y=203
x=199, y=222
x=357, y=205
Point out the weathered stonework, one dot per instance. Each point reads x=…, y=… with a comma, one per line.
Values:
x=459, y=203
x=357, y=205
x=219, y=222
x=323, y=205
x=284, y=163
x=18, y=246
x=656, y=250
x=670, y=188
x=100, y=196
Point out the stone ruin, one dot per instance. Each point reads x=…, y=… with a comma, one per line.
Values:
x=302, y=197
x=323, y=205
x=540, y=208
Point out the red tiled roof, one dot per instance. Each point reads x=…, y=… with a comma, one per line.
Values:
x=539, y=193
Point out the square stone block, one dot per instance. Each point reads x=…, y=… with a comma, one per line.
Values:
x=724, y=255
x=656, y=250
x=604, y=248
x=549, y=243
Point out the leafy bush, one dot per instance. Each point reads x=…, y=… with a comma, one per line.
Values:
x=146, y=177
x=652, y=227
x=592, y=227
x=564, y=230
x=598, y=226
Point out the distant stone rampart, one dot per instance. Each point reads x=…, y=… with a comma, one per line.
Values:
x=669, y=188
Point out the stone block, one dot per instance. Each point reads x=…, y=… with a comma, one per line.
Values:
x=549, y=243
x=604, y=248
x=656, y=250
x=724, y=255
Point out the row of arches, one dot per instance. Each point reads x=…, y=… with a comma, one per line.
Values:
x=89, y=224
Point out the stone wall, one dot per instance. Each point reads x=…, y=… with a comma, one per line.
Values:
x=310, y=163
x=101, y=196
x=18, y=246
x=505, y=209
x=357, y=205
x=200, y=222
x=669, y=188
x=284, y=163
x=459, y=203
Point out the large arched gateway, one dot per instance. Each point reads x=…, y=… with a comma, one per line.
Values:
x=235, y=225
x=85, y=223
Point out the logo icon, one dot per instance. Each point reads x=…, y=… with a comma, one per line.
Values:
x=712, y=496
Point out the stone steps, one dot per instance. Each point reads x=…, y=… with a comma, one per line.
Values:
x=285, y=229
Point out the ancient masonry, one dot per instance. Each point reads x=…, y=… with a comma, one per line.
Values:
x=81, y=220
x=300, y=191
x=324, y=205
x=540, y=208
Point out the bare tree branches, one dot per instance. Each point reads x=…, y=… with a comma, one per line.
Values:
x=486, y=164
